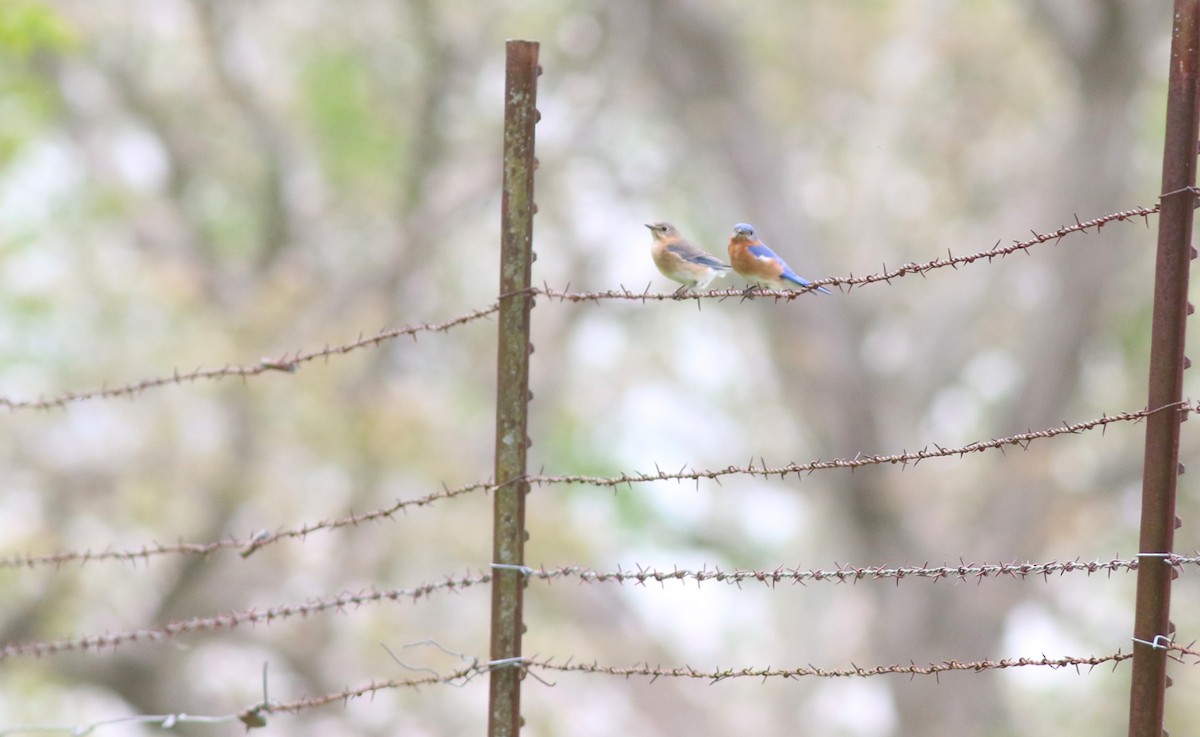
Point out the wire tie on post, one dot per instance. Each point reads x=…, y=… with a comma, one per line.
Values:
x=1193, y=190
x=1157, y=642
x=1166, y=557
x=506, y=662
x=523, y=570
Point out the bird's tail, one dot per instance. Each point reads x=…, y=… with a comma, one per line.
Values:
x=804, y=282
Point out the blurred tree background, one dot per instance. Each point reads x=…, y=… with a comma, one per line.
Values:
x=196, y=182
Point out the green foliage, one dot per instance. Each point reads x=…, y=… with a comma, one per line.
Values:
x=353, y=137
x=27, y=27
x=26, y=103
x=25, y=107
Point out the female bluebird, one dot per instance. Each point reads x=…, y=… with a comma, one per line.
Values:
x=752, y=259
x=681, y=260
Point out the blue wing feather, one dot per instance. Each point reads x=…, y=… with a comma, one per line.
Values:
x=762, y=251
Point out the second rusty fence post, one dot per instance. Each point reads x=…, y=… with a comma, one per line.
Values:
x=512, y=388
x=1152, y=625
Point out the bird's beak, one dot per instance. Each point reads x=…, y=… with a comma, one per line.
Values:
x=648, y=225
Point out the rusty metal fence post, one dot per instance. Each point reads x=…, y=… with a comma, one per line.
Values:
x=512, y=387
x=1152, y=626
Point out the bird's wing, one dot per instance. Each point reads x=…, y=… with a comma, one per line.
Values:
x=761, y=251
x=688, y=252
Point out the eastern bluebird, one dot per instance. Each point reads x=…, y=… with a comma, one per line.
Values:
x=681, y=260
x=752, y=259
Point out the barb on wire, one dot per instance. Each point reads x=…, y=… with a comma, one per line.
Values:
x=89, y=643
x=1021, y=440
x=247, y=547
x=933, y=669
x=1189, y=649
x=287, y=363
x=848, y=573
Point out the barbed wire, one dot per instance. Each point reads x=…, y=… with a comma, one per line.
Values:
x=477, y=668
x=60, y=558
x=934, y=669
x=1021, y=440
x=256, y=715
x=640, y=575
x=290, y=362
x=231, y=620
x=848, y=573
x=247, y=546
x=286, y=363
x=264, y=538
x=886, y=275
x=458, y=677
x=353, y=520
x=912, y=669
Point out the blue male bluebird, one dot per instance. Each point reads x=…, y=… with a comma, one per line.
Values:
x=680, y=259
x=752, y=259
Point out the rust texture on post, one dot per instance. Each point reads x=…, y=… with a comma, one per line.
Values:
x=512, y=380
x=1162, y=469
